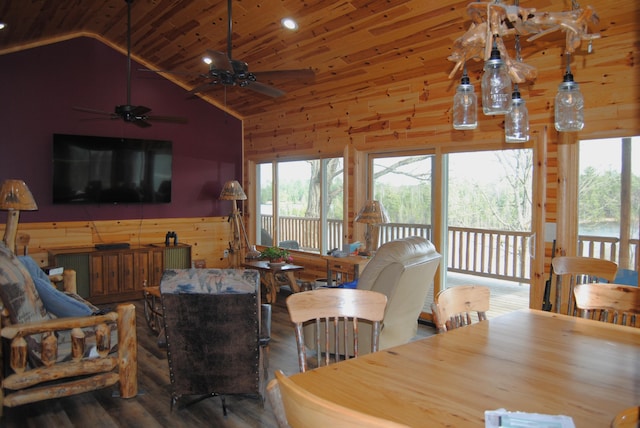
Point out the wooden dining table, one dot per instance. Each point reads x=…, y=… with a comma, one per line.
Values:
x=528, y=360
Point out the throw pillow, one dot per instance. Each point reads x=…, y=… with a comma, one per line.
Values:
x=55, y=301
x=17, y=290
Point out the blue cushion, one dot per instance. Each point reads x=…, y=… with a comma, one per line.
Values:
x=55, y=301
x=626, y=277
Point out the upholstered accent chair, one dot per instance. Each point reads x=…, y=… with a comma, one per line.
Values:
x=216, y=338
x=403, y=270
x=55, y=344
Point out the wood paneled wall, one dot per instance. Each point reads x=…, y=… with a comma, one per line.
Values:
x=208, y=236
x=415, y=113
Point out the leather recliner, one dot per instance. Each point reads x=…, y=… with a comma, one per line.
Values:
x=403, y=270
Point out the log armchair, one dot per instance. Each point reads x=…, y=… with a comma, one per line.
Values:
x=46, y=356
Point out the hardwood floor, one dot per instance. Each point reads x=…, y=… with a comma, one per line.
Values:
x=152, y=406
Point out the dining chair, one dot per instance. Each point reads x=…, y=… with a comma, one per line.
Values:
x=578, y=270
x=454, y=306
x=304, y=409
x=627, y=418
x=615, y=303
x=336, y=312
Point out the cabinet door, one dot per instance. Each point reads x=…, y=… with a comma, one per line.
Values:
x=97, y=277
x=111, y=262
x=141, y=269
x=157, y=267
x=127, y=271
x=104, y=274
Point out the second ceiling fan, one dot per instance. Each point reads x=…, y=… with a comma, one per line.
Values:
x=226, y=71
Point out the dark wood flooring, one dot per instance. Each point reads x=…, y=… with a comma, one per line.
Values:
x=152, y=406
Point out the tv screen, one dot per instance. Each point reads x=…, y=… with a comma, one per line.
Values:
x=107, y=170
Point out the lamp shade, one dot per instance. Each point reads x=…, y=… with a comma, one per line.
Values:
x=15, y=195
x=232, y=191
x=372, y=212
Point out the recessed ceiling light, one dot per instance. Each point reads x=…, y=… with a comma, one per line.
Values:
x=289, y=24
x=207, y=60
x=3, y=25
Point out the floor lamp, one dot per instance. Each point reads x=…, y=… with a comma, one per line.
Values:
x=372, y=214
x=14, y=197
x=232, y=191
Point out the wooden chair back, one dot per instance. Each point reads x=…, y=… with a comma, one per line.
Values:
x=304, y=409
x=618, y=304
x=628, y=418
x=454, y=307
x=337, y=312
x=578, y=270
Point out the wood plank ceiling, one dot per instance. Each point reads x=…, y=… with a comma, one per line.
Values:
x=356, y=45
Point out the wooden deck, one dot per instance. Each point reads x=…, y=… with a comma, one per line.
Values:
x=506, y=296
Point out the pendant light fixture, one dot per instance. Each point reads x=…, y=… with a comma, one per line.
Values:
x=465, y=105
x=569, y=105
x=496, y=84
x=516, y=121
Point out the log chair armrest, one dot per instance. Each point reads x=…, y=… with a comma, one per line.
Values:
x=25, y=329
x=68, y=279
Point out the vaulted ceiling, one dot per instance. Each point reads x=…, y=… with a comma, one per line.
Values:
x=351, y=45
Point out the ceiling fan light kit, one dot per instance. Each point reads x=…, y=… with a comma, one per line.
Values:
x=491, y=23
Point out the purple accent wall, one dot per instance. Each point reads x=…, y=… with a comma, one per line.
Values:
x=39, y=88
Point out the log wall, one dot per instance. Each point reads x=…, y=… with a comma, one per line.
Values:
x=414, y=113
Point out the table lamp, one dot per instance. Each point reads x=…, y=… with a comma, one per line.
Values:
x=372, y=214
x=232, y=191
x=14, y=197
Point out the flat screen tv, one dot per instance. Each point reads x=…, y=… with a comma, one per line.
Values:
x=107, y=170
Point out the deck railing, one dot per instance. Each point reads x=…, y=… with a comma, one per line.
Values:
x=500, y=254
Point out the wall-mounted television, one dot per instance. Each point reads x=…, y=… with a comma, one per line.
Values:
x=108, y=170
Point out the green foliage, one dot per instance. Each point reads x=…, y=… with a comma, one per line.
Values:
x=276, y=254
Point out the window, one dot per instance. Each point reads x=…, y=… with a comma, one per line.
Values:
x=403, y=185
x=307, y=214
x=609, y=200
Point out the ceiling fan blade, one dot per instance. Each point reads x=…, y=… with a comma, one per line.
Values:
x=91, y=110
x=203, y=88
x=305, y=73
x=265, y=89
x=168, y=119
x=141, y=123
x=181, y=73
x=219, y=61
x=139, y=110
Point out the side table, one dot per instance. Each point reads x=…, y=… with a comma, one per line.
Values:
x=346, y=268
x=272, y=277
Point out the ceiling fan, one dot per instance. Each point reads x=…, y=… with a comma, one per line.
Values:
x=128, y=112
x=226, y=71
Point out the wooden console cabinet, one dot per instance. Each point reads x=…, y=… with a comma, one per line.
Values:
x=106, y=276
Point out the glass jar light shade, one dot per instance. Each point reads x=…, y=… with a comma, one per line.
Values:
x=496, y=85
x=569, y=106
x=516, y=121
x=465, y=106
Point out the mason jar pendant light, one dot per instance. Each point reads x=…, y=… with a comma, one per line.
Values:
x=516, y=121
x=496, y=84
x=569, y=105
x=465, y=105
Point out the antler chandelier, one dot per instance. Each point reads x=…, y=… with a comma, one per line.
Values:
x=491, y=24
